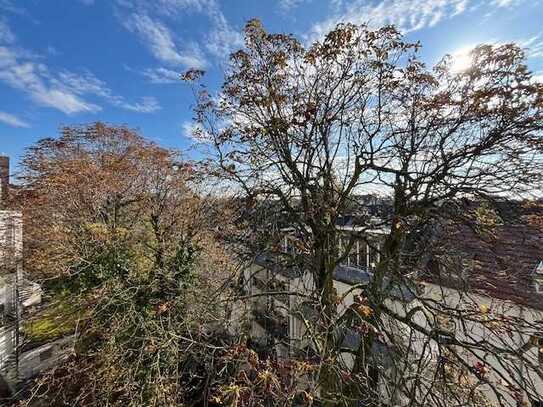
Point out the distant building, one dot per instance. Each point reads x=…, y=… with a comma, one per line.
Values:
x=16, y=292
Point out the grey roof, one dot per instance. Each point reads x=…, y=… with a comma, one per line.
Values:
x=352, y=275
x=345, y=274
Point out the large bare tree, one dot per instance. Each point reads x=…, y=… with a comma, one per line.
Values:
x=305, y=130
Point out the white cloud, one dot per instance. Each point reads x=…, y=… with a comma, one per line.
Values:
x=147, y=20
x=505, y=3
x=6, y=36
x=288, y=5
x=148, y=104
x=158, y=38
x=175, y=7
x=33, y=79
x=462, y=58
x=88, y=84
x=52, y=50
x=188, y=128
x=82, y=84
x=12, y=120
x=407, y=15
x=195, y=132
x=162, y=75
x=534, y=46
x=223, y=39
x=65, y=91
x=8, y=6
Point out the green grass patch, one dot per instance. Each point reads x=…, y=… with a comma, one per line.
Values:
x=58, y=319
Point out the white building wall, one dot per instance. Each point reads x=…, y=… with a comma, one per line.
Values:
x=11, y=238
x=421, y=345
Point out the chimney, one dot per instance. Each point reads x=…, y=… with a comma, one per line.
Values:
x=4, y=181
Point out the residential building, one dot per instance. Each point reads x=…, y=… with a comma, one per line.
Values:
x=501, y=274
x=16, y=292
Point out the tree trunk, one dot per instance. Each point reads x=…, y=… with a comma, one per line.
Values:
x=326, y=254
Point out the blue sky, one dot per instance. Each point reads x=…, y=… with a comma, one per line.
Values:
x=66, y=62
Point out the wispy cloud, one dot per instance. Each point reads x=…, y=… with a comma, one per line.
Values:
x=148, y=104
x=52, y=51
x=188, y=128
x=6, y=35
x=158, y=38
x=65, y=91
x=174, y=8
x=161, y=75
x=534, y=46
x=82, y=84
x=12, y=120
x=194, y=131
x=15, y=7
x=407, y=15
x=222, y=39
x=505, y=3
x=150, y=22
x=288, y=5
x=88, y=84
x=10, y=7
x=33, y=78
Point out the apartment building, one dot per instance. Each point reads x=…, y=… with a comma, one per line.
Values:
x=501, y=275
x=16, y=292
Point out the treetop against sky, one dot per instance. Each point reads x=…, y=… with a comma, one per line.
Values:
x=119, y=61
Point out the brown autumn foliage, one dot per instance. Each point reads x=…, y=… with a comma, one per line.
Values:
x=124, y=231
x=98, y=181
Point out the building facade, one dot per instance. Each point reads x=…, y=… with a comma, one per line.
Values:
x=16, y=292
x=485, y=296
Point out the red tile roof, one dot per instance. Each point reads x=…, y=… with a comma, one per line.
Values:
x=500, y=262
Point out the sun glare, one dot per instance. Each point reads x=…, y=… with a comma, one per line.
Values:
x=461, y=59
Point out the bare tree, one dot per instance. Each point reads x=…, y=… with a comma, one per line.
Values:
x=304, y=131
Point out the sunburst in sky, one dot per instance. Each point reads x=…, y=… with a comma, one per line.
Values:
x=461, y=59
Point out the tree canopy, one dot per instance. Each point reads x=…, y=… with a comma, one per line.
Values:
x=313, y=128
